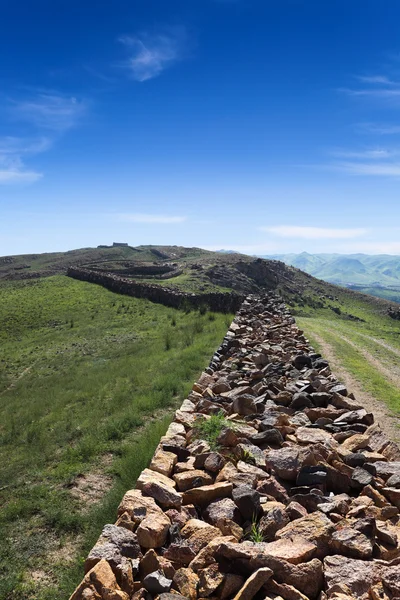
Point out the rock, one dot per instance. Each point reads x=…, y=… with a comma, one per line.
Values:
x=214, y=462
x=358, y=575
x=248, y=502
x=391, y=581
x=306, y=577
x=311, y=475
x=186, y=581
x=163, y=462
x=306, y=435
x=191, y=479
x=209, y=579
x=294, y=550
x=99, y=580
x=153, y=522
x=180, y=554
x=253, y=584
x=165, y=496
x=113, y=544
x=152, y=531
x=148, y=475
x=351, y=542
x=157, y=583
x=199, y=533
x=315, y=528
x=356, y=442
x=205, y=494
x=216, y=512
x=285, y=462
x=301, y=361
x=271, y=436
x=271, y=522
x=339, y=389
x=271, y=487
x=244, y=405
x=206, y=556
x=194, y=526
x=393, y=494
x=300, y=401
x=231, y=584
x=360, y=478
x=295, y=510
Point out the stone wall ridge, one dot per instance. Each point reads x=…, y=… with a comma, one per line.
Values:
x=272, y=482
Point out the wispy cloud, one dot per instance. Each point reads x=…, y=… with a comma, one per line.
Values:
x=13, y=151
x=47, y=115
x=151, y=54
x=373, y=92
x=386, y=169
x=313, y=233
x=376, y=79
x=379, y=128
x=49, y=111
x=150, y=219
x=377, y=154
x=18, y=175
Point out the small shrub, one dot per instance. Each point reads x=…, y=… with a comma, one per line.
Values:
x=210, y=429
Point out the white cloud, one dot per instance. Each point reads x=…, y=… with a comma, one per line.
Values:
x=49, y=111
x=375, y=92
x=387, y=169
x=150, y=54
x=313, y=233
x=380, y=129
x=11, y=176
x=12, y=153
x=364, y=154
x=376, y=79
x=150, y=219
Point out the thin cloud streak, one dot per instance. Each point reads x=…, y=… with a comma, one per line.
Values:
x=389, y=169
x=378, y=93
x=150, y=54
x=15, y=176
x=377, y=154
x=376, y=79
x=151, y=219
x=313, y=233
x=49, y=111
x=379, y=129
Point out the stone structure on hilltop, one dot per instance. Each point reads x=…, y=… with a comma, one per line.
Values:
x=272, y=482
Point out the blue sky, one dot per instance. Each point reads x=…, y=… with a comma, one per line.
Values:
x=264, y=126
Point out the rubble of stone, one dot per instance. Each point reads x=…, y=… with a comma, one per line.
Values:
x=272, y=482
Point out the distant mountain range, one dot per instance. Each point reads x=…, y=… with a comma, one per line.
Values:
x=374, y=274
x=362, y=269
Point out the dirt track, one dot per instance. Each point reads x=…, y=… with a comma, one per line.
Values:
x=386, y=420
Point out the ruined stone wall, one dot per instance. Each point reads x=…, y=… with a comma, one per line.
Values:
x=272, y=482
x=216, y=301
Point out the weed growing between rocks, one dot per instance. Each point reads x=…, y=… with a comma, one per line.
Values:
x=210, y=429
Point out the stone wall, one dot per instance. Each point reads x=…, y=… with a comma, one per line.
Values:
x=217, y=301
x=272, y=482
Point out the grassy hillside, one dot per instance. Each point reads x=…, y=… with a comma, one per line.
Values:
x=88, y=380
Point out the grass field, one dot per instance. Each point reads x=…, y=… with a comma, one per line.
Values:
x=88, y=383
x=368, y=349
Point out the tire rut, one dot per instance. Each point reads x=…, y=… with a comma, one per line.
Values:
x=386, y=420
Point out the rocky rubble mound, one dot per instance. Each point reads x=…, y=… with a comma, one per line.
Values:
x=272, y=482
